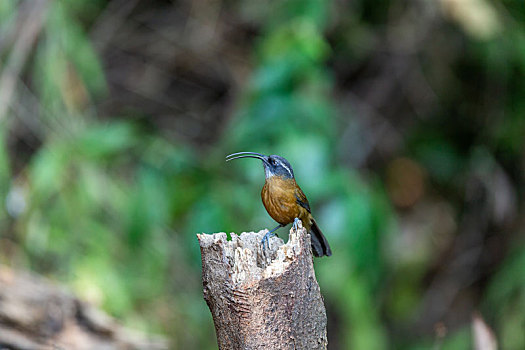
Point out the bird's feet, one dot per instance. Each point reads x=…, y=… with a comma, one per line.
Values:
x=266, y=240
x=295, y=225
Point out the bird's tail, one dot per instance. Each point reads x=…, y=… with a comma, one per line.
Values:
x=320, y=245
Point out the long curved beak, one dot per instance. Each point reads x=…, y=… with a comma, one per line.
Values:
x=246, y=155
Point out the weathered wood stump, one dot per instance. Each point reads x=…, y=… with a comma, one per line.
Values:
x=263, y=301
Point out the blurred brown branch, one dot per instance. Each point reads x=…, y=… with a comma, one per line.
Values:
x=31, y=19
x=35, y=314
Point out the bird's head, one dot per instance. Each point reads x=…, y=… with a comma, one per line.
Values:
x=274, y=165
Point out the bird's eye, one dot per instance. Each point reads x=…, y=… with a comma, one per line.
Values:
x=272, y=161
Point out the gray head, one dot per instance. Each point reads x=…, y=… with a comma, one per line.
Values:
x=274, y=165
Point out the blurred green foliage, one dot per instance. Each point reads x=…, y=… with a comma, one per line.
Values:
x=112, y=207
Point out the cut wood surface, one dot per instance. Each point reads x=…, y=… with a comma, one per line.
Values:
x=36, y=314
x=263, y=301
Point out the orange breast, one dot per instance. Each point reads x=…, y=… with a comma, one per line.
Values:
x=278, y=197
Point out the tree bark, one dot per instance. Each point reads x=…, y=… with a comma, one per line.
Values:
x=263, y=301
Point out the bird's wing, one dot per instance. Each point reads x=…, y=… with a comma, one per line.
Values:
x=301, y=199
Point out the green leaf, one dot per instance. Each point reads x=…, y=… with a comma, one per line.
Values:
x=5, y=171
x=100, y=141
x=47, y=172
x=64, y=31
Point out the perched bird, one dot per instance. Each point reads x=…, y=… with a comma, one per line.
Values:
x=284, y=200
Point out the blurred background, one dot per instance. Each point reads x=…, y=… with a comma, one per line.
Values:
x=404, y=121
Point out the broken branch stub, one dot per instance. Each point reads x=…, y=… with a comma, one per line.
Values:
x=263, y=301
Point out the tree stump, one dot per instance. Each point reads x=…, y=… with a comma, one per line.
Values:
x=263, y=301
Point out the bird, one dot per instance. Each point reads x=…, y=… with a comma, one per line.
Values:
x=284, y=200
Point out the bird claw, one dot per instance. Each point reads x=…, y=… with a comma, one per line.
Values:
x=267, y=237
x=266, y=240
x=295, y=225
